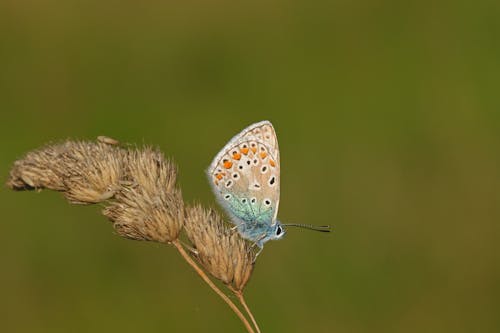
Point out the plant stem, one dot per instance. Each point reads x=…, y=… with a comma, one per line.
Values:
x=239, y=294
x=202, y=274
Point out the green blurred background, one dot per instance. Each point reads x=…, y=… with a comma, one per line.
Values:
x=388, y=118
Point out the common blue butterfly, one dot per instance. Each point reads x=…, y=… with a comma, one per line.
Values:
x=245, y=177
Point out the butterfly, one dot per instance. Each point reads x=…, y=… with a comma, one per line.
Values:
x=245, y=177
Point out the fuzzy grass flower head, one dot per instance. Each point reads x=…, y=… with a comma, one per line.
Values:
x=138, y=188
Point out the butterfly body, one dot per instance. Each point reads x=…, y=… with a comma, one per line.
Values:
x=245, y=177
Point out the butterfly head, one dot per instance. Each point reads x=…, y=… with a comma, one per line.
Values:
x=274, y=232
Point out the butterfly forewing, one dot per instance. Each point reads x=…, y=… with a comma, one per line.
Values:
x=245, y=175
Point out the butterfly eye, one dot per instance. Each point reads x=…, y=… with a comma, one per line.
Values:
x=278, y=231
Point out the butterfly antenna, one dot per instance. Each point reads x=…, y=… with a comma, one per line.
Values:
x=321, y=228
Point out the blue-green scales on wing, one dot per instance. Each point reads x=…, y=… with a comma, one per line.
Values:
x=245, y=177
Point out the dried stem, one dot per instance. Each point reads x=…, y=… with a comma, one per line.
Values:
x=241, y=298
x=226, y=299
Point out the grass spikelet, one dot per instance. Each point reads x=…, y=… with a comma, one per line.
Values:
x=220, y=250
x=39, y=169
x=151, y=171
x=148, y=206
x=85, y=171
x=92, y=172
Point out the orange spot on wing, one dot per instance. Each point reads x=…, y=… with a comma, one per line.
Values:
x=253, y=149
x=263, y=155
x=273, y=164
x=218, y=176
x=228, y=164
x=237, y=156
x=244, y=151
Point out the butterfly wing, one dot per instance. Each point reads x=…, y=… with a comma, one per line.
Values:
x=245, y=177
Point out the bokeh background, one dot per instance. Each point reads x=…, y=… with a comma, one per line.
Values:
x=388, y=116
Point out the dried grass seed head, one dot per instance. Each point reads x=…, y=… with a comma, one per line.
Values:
x=222, y=251
x=149, y=206
x=87, y=172
x=150, y=170
x=39, y=169
x=94, y=172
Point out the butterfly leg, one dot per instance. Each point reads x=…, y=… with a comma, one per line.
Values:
x=237, y=226
x=259, y=243
x=258, y=252
x=251, y=247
